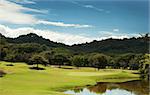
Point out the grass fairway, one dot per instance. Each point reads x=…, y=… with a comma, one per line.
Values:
x=20, y=80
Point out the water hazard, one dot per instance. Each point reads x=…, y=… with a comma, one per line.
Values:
x=103, y=88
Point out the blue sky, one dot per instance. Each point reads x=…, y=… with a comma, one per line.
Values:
x=87, y=20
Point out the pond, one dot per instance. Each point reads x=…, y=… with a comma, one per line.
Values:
x=104, y=88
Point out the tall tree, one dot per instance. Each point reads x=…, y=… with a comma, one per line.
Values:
x=59, y=59
x=99, y=61
x=49, y=56
x=78, y=60
x=124, y=60
x=145, y=66
x=38, y=59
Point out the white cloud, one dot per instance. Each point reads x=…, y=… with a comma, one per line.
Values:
x=12, y=13
x=91, y=7
x=35, y=10
x=24, y=1
x=116, y=30
x=61, y=24
x=116, y=35
x=95, y=8
x=14, y=7
x=68, y=39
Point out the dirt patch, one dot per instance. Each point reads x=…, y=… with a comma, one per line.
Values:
x=2, y=73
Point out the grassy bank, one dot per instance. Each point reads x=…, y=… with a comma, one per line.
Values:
x=20, y=80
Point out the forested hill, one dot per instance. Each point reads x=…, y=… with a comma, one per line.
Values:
x=34, y=38
x=132, y=45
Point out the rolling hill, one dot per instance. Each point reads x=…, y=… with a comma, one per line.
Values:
x=131, y=45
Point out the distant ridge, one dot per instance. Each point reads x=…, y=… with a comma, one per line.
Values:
x=34, y=38
x=131, y=45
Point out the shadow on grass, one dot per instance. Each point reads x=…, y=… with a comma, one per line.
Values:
x=9, y=65
x=36, y=68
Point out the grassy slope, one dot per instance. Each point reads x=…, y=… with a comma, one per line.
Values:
x=22, y=81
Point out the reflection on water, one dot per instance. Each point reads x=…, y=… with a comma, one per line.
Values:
x=125, y=88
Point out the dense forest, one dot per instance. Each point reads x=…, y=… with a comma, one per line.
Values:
x=131, y=45
x=132, y=53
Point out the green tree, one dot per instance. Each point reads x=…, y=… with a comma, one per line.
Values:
x=99, y=61
x=78, y=60
x=134, y=63
x=145, y=66
x=49, y=56
x=124, y=60
x=3, y=52
x=38, y=59
x=59, y=59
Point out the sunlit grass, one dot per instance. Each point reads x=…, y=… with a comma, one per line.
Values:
x=20, y=80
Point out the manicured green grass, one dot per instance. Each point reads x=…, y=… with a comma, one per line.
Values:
x=20, y=80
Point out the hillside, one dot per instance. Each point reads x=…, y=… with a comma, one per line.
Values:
x=131, y=45
x=34, y=38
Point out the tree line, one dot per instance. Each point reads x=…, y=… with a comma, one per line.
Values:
x=35, y=54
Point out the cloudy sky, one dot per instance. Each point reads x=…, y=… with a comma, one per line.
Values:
x=74, y=21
